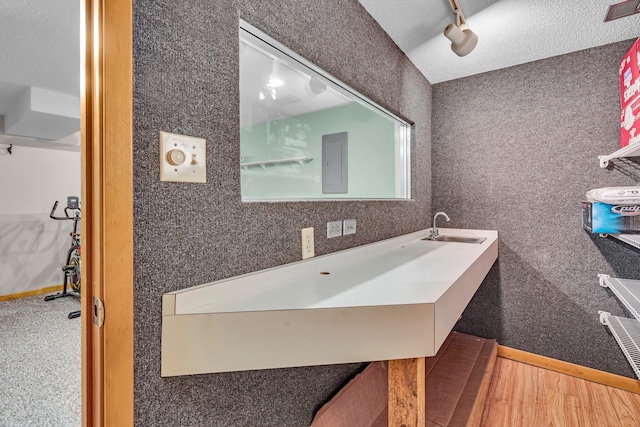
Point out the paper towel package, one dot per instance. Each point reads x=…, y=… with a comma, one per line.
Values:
x=604, y=218
x=630, y=96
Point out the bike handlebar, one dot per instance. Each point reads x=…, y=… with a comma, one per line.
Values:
x=66, y=214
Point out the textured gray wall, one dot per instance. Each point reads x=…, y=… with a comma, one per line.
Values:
x=186, y=81
x=515, y=150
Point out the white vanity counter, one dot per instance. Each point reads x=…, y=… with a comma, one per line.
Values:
x=394, y=299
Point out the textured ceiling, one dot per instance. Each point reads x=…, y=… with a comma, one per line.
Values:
x=510, y=32
x=41, y=44
x=40, y=48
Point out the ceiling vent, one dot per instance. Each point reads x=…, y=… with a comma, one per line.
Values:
x=620, y=10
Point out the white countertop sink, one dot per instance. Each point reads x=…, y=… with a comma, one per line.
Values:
x=394, y=299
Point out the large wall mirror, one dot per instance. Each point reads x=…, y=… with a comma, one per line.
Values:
x=305, y=135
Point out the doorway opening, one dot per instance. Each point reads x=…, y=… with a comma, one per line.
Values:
x=40, y=163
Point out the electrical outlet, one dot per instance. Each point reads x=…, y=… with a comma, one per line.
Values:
x=334, y=229
x=308, y=249
x=349, y=226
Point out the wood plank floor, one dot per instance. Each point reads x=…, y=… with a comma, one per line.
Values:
x=522, y=395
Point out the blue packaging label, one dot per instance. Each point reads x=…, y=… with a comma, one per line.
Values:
x=612, y=219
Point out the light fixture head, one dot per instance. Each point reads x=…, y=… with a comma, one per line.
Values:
x=462, y=41
x=315, y=86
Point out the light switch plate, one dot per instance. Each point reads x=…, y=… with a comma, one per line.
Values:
x=334, y=229
x=182, y=158
x=349, y=227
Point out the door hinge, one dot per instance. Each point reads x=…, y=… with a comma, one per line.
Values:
x=98, y=312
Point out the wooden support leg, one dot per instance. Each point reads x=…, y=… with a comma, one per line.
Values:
x=406, y=392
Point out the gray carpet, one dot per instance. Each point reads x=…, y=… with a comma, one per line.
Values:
x=39, y=363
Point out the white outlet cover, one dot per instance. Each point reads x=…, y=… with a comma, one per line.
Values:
x=308, y=247
x=182, y=158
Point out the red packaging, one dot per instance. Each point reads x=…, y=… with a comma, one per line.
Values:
x=630, y=96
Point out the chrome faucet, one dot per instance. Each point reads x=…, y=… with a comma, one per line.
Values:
x=434, y=229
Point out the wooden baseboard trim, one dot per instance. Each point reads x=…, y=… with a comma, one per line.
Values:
x=589, y=374
x=31, y=293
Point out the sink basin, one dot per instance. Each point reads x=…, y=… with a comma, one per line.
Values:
x=456, y=239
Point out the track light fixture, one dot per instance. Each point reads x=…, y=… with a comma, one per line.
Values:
x=315, y=86
x=463, y=40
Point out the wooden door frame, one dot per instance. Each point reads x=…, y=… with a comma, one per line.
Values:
x=107, y=206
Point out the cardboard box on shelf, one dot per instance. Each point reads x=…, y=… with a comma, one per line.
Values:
x=629, y=72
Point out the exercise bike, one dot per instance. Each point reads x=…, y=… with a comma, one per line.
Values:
x=72, y=269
